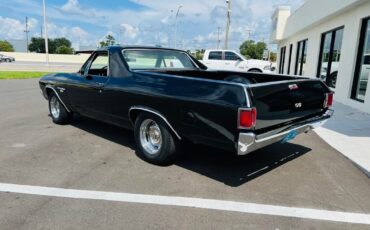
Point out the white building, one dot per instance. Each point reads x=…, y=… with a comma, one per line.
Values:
x=329, y=39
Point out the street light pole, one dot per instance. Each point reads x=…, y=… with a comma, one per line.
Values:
x=177, y=15
x=227, y=23
x=46, y=33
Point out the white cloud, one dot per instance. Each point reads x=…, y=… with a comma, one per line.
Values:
x=153, y=23
x=73, y=7
x=74, y=34
x=11, y=28
x=129, y=31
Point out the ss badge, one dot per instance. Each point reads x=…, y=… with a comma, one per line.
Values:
x=298, y=105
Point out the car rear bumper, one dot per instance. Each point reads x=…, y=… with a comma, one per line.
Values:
x=249, y=142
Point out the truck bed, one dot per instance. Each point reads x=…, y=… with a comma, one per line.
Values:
x=280, y=100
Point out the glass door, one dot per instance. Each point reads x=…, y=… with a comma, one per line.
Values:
x=330, y=52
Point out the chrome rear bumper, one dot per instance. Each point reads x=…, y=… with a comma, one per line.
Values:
x=249, y=142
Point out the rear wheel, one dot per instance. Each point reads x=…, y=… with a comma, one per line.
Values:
x=57, y=111
x=155, y=142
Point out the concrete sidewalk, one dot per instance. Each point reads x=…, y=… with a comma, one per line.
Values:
x=348, y=131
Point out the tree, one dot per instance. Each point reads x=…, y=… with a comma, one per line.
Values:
x=64, y=50
x=6, y=46
x=199, y=54
x=109, y=41
x=57, y=45
x=272, y=57
x=253, y=50
x=37, y=45
x=58, y=42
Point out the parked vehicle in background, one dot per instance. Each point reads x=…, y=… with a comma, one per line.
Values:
x=332, y=79
x=233, y=61
x=166, y=96
x=5, y=58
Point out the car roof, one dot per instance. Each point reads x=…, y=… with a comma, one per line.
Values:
x=114, y=47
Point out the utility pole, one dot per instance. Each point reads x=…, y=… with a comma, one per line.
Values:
x=177, y=15
x=26, y=31
x=46, y=33
x=218, y=37
x=41, y=31
x=228, y=24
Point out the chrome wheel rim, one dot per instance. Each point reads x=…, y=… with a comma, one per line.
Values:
x=54, y=107
x=150, y=136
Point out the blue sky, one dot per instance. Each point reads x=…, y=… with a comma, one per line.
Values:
x=146, y=22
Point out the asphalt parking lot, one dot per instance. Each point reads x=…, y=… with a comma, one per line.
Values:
x=91, y=156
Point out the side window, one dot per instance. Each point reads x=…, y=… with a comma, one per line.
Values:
x=230, y=56
x=99, y=65
x=171, y=62
x=215, y=55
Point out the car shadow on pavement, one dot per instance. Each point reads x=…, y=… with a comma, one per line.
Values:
x=109, y=132
x=233, y=170
x=215, y=164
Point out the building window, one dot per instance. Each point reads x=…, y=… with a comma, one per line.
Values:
x=330, y=52
x=282, y=60
x=300, y=62
x=290, y=57
x=362, y=71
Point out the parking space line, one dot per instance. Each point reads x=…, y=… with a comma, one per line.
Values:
x=250, y=208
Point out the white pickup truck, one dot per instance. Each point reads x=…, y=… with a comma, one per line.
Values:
x=231, y=60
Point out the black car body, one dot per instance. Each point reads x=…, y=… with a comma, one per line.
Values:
x=235, y=111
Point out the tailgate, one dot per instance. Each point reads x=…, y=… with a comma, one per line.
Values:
x=279, y=103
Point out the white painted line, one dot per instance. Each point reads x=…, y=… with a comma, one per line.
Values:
x=306, y=213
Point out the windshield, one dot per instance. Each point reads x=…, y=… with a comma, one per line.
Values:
x=157, y=59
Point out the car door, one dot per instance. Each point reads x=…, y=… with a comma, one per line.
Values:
x=232, y=60
x=85, y=94
x=215, y=61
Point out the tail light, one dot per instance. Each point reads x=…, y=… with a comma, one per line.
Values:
x=247, y=118
x=329, y=98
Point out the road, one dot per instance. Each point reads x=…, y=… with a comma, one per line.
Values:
x=91, y=156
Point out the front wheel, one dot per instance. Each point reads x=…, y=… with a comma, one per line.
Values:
x=155, y=142
x=57, y=111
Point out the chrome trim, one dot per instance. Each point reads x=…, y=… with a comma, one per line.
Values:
x=56, y=93
x=248, y=101
x=146, y=109
x=282, y=82
x=249, y=142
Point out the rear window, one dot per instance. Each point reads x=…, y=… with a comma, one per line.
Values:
x=215, y=55
x=157, y=59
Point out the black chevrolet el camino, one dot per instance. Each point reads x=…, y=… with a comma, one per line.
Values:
x=167, y=97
